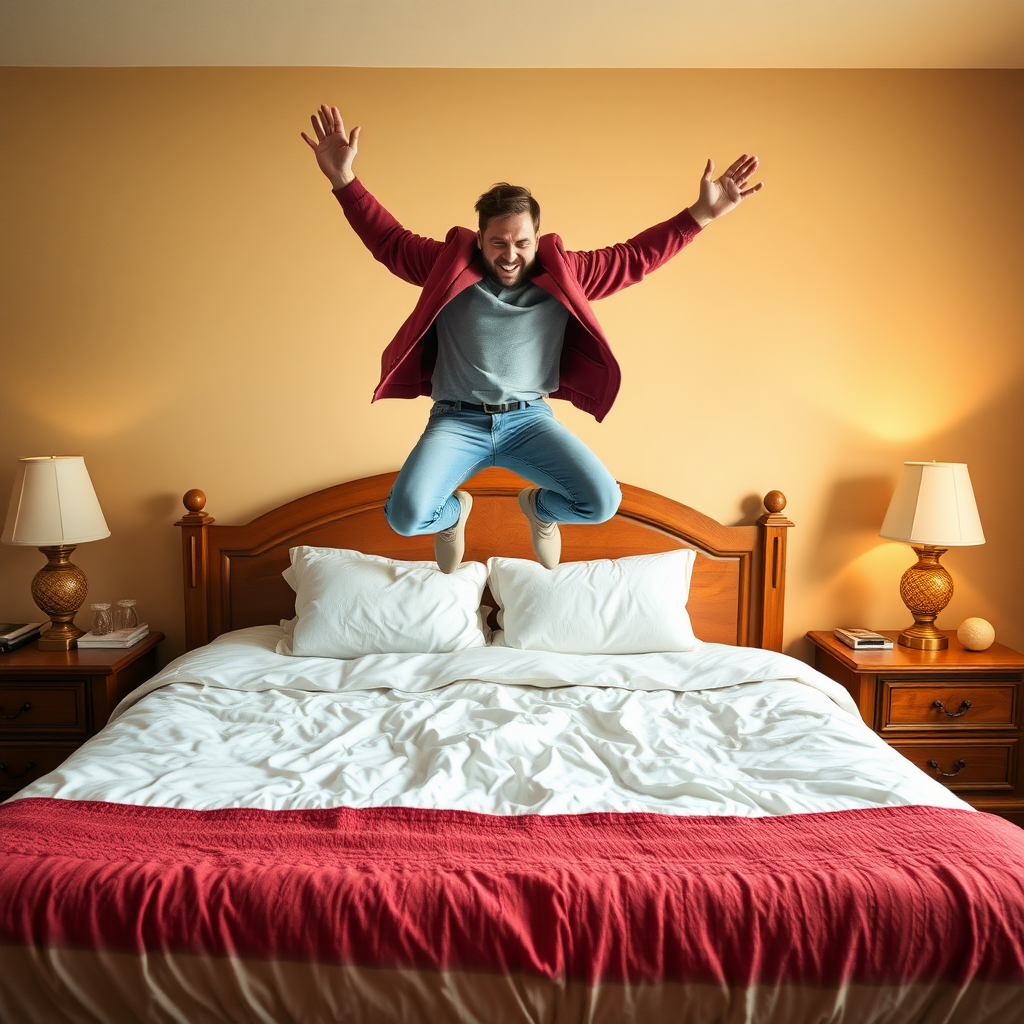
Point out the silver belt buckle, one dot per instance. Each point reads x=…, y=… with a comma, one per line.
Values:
x=492, y=409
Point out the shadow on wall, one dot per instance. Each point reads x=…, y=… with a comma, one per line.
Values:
x=849, y=528
x=853, y=516
x=751, y=507
x=159, y=508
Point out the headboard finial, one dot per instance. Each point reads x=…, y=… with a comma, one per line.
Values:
x=195, y=501
x=774, y=503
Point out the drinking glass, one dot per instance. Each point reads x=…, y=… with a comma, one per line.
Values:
x=102, y=622
x=127, y=617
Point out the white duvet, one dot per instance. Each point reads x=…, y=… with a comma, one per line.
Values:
x=720, y=730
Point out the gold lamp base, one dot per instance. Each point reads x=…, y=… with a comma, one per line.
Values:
x=59, y=589
x=926, y=588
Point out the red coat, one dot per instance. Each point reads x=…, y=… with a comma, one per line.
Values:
x=588, y=374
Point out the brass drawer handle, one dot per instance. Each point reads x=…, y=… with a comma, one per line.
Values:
x=17, y=775
x=964, y=706
x=961, y=763
x=27, y=706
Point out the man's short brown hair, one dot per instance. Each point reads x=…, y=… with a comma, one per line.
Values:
x=504, y=200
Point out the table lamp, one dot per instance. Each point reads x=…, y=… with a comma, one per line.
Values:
x=54, y=508
x=933, y=509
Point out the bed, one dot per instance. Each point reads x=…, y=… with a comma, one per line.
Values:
x=535, y=822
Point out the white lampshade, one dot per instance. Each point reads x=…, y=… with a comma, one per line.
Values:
x=934, y=504
x=53, y=503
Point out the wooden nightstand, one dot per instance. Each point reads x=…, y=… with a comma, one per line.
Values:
x=53, y=701
x=957, y=714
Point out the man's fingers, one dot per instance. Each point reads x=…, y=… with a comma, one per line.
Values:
x=751, y=191
x=316, y=128
x=353, y=139
x=735, y=166
x=745, y=170
x=339, y=125
x=741, y=174
x=312, y=144
x=749, y=166
x=709, y=169
x=333, y=123
x=326, y=120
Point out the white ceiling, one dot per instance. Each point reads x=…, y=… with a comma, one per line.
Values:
x=515, y=33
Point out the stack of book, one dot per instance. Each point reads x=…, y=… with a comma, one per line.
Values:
x=16, y=634
x=116, y=638
x=864, y=639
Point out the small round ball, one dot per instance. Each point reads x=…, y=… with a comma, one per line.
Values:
x=976, y=634
x=194, y=500
x=775, y=501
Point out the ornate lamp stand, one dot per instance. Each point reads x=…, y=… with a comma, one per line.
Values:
x=59, y=589
x=926, y=588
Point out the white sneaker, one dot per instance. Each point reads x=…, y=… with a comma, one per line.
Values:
x=450, y=544
x=547, y=541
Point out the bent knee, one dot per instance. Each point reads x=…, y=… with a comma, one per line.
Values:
x=601, y=503
x=607, y=503
x=403, y=518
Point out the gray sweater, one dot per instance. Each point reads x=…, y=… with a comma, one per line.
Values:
x=498, y=344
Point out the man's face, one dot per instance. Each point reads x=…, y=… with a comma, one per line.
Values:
x=509, y=247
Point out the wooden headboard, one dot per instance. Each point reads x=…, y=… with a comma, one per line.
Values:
x=232, y=574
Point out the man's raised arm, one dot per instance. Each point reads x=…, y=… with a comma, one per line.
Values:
x=602, y=272
x=405, y=254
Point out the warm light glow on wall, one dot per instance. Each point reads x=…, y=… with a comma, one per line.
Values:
x=881, y=561
x=864, y=592
x=907, y=388
x=72, y=410
x=894, y=409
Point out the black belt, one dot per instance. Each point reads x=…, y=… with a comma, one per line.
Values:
x=486, y=406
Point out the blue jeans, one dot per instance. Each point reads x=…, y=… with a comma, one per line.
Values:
x=575, y=486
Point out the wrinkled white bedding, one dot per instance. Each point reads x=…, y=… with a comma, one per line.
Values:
x=721, y=730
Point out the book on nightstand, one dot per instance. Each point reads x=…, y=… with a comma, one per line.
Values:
x=16, y=634
x=863, y=639
x=115, y=638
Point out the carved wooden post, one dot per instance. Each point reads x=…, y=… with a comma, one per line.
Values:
x=773, y=570
x=194, y=563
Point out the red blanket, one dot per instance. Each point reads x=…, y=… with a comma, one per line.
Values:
x=876, y=896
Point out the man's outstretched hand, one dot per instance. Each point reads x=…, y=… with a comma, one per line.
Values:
x=334, y=150
x=720, y=195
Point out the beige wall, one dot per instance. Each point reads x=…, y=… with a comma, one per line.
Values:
x=184, y=304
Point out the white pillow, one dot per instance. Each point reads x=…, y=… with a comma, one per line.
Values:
x=633, y=605
x=349, y=604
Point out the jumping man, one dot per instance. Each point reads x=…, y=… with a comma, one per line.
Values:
x=504, y=322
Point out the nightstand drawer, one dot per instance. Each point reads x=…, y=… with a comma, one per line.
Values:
x=947, y=704
x=22, y=763
x=29, y=707
x=973, y=764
